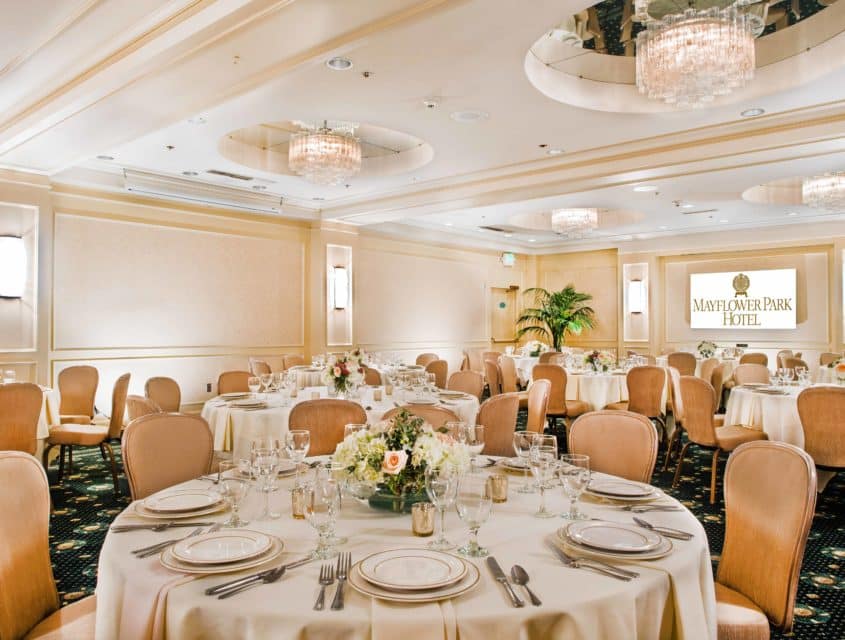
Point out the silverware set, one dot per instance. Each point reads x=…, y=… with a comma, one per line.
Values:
x=668, y=532
x=155, y=549
x=593, y=565
x=162, y=526
x=633, y=508
x=502, y=579
x=228, y=589
x=326, y=580
x=344, y=564
x=520, y=577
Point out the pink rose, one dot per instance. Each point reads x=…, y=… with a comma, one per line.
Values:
x=394, y=462
x=337, y=372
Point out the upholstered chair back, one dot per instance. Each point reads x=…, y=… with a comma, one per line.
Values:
x=782, y=354
x=165, y=392
x=424, y=358
x=259, y=367
x=372, y=376
x=498, y=416
x=233, y=381
x=538, y=404
x=822, y=413
x=492, y=356
x=547, y=356
x=325, y=419
x=699, y=406
x=292, y=360
x=509, y=378
x=828, y=358
x=437, y=417
x=751, y=373
x=440, y=369
x=707, y=368
x=137, y=406
x=677, y=398
x=491, y=372
x=684, y=362
x=118, y=406
x=556, y=375
x=645, y=390
x=621, y=443
x=759, y=358
x=77, y=387
x=470, y=382
x=794, y=363
x=20, y=408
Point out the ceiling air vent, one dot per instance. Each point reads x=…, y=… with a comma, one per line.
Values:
x=690, y=213
x=496, y=229
x=228, y=174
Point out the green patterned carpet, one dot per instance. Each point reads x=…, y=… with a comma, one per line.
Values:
x=85, y=505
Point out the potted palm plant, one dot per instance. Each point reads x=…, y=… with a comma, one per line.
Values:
x=556, y=314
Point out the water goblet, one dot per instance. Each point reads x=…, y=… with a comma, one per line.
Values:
x=543, y=462
x=352, y=428
x=474, y=440
x=441, y=484
x=522, y=446
x=266, y=379
x=265, y=462
x=321, y=508
x=574, y=472
x=297, y=444
x=254, y=384
x=234, y=488
x=456, y=431
x=474, y=502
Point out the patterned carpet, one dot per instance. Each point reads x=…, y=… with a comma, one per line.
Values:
x=85, y=505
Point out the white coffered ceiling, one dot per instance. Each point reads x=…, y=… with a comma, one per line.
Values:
x=158, y=88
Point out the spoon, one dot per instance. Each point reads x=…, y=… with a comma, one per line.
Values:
x=520, y=577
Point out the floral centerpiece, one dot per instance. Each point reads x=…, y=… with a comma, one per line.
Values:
x=707, y=348
x=839, y=371
x=392, y=456
x=600, y=360
x=359, y=356
x=342, y=372
x=535, y=348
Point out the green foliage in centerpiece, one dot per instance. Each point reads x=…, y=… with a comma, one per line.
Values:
x=555, y=314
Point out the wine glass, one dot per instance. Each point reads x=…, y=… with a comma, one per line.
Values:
x=266, y=380
x=574, y=472
x=441, y=484
x=456, y=431
x=254, y=384
x=353, y=428
x=234, y=488
x=321, y=509
x=543, y=462
x=474, y=502
x=474, y=439
x=522, y=446
x=265, y=462
x=297, y=444
x=788, y=374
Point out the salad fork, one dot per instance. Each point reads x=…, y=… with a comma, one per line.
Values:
x=326, y=579
x=344, y=563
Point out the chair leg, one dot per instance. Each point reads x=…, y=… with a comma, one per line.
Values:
x=61, y=462
x=680, y=464
x=713, y=476
x=672, y=440
x=69, y=459
x=106, y=447
x=45, y=455
x=103, y=453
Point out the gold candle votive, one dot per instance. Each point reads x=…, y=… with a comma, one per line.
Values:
x=294, y=392
x=376, y=395
x=422, y=519
x=388, y=389
x=298, y=496
x=498, y=484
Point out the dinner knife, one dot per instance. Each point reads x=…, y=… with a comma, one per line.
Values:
x=500, y=577
x=220, y=588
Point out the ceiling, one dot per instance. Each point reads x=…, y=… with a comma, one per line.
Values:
x=159, y=90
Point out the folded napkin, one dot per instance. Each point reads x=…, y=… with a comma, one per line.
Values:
x=392, y=620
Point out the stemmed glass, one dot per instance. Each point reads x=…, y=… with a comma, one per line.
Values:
x=788, y=374
x=456, y=431
x=543, y=462
x=474, y=439
x=297, y=444
x=266, y=380
x=265, y=462
x=522, y=441
x=441, y=485
x=321, y=509
x=254, y=384
x=234, y=488
x=474, y=503
x=353, y=428
x=574, y=471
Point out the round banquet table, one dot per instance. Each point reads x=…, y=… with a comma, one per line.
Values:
x=235, y=429
x=307, y=376
x=524, y=366
x=600, y=389
x=672, y=598
x=730, y=365
x=827, y=375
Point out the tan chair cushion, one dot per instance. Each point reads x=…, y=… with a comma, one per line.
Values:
x=74, y=419
x=718, y=420
x=84, y=435
x=617, y=406
x=737, y=617
x=575, y=408
x=73, y=622
x=731, y=437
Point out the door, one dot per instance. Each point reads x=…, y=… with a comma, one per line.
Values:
x=503, y=313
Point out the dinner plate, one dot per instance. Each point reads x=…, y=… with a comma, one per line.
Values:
x=248, y=403
x=167, y=559
x=452, y=395
x=657, y=494
x=221, y=547
x=469, y=581
x=576, y=549
x=425, y=401
x=412, y=569
x=619, y=488
x=235, y=395
x=175, y=515
x=619, y=537
x=517, y=464
x=181, y=501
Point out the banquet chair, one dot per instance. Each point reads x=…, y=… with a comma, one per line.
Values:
x=473, y=360
x=437, y=417
x=77, y=388
x=492, y=356
x=440, y=369
x=29, y=602
x=233, y=381
x=677, y=414
x=292, y=360
x=751, y=374
x=717, y=379
x=770, y=499
x=498, y=416
x=538, y=403
x=424, y=358
x=621, y=443
x=756, y=358
x=699, y=407
x=325, y=419
x=684, y=362
x=69, y=435
x=782, y=354
x=645, y=394
x=372, y=376
x=20, y=409
x=164, y=449
x=546, y=357
x=828, y=358
x=137, y=406
x=558, y=406
x=491, y=372
x=794, y=364
x=822, y=413
x=259, y=367
x=707, y=368
x=165, y=392
x=509, y=378
x=470, y=382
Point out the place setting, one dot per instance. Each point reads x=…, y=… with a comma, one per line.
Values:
x=179, y=504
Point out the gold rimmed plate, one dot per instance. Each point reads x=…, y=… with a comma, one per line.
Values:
x=169, y=561
x=469, y=582
x=412, y=569
x=571, y=546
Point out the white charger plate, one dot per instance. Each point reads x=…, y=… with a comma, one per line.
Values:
x=518, y=464
x=176, y=515
x=653, y=497
x=360, y=584
x=618, y=488
x=181, y=501
x=576, y=549
x=618, y=537
x=220, y=547
x=412, y=569
x=168, y=560
x=426, y=401
x=235, y=395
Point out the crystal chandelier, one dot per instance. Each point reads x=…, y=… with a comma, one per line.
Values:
x=574, y=223
x=825, y=192
x=325, y=155
x=689, y=58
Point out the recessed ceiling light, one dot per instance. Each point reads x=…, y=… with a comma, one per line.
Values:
x=792, y=213
x=508, y=235
x=750, y=113
x=197, y=120
x=258, y=187
x=626, y=238
x=724, y=220
x=448, y=224
x=318, y=199
x=687, y=205
x=469, y=115
x=105, y=157
x=663, y=227
x=189, y=173
x=531, y=240
x=339, y=63
x=644, y=188
x=555, y=152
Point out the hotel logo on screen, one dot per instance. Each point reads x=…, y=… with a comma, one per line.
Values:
x=743, y=300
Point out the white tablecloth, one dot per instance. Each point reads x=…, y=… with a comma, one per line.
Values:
x=49, y=412
x=307, y=377
x=672, y=598
x=235, y=429
x=524, y=366
x=731, y=364
x=599, y=390
x=826, y=375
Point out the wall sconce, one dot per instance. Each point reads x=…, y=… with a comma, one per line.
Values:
x=637, y=296
x=12, y=267
x=340, y=287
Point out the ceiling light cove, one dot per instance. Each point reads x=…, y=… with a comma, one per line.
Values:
x=339, y=63
x=645, y=188
x=469, y=116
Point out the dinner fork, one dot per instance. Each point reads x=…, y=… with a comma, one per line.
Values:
x=161, y=546
x=344, y=562
x=268, y=578
x=326, y=579
x=634, y=508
